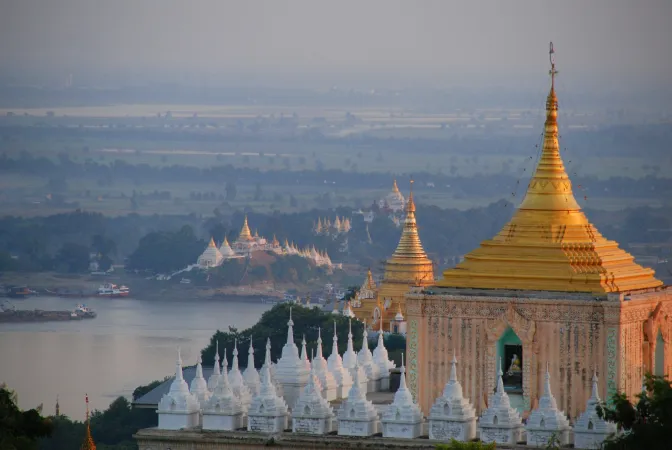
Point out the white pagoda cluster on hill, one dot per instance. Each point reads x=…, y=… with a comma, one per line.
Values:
x=325, y=227
x=247, y=244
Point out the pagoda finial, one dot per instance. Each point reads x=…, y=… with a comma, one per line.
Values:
x=88, y=443
x=500, y=382
x=594, y=394
x=250, y=354
x=547, y=376
x=212, y=242
x=290, y=328
x=551, y=58
x=402, y=378
x=453, y=368
x=58, y=407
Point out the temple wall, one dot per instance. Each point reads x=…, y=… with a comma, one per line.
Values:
x=576, y=337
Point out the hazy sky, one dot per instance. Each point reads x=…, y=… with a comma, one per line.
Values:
x=439, y=42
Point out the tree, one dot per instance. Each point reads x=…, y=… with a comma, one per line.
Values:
x=257, y=192
x=20, y=430
x=647, y=423
x=73, y=257
x=231, y=191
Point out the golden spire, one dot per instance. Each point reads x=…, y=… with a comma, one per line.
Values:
x=88, y=443
x=212, y=242
x=245, y=234
x=409, y=261
x=395, y=189
x=549, y=244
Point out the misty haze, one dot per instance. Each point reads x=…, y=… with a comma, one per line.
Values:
x=177, y=173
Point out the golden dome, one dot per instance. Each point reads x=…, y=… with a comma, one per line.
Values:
x=245, y=234
x=549, y=244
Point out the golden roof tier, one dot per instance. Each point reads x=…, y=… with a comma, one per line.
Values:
x=245, y=234
x=549, y=244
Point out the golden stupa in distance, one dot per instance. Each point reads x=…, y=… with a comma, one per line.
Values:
x=549, y=244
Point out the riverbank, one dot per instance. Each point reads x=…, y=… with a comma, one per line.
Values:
x=37, y=315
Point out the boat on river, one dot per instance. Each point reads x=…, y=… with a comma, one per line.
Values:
x=113, y=291
x=84, y=312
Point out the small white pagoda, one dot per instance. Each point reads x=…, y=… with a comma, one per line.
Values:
x=381, y=359
x=350, y=362
x=250, y=374
x=268, y=363
x=357, y=416
x=500, y=423
x=236, y=380
x=451, y=415
x=226, y=250
x=178, y=408
x=268, y=411
x=199, y=387
x=321, y=370
x=291, y=371
x=365, y=360
x=211, y=257
x=589, y=429
x=311, y=413
x=547, y=420
x=214, y=377
x=340, y=373
x=223, y=411
x=403, y=418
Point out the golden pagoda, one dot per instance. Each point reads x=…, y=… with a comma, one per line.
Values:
x=549, y=244
x=408, y=266
x=88, y=443
x=212, y=243
x=245, y=234
x=547, y=293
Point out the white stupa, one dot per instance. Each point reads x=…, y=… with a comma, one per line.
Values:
x=226, y=250
x=291, y=371
x=321, y=370
x=250, y=374
x=357, y=416
x=223, y=411
x=350, y=362
x=268, y=363
x=304, y=354
x=381, y=359
x=199, y=387
x=268, y=411
x=211, y=257
x=589, y=429
x=311, y=413
x=500, y=423
x=365, y=360
x=214, y=377
x=347, y=310
x=340, y=373
x=451, y=415
x=178, y=408
x=403, y=418
x=546, y=419
x=236, y=380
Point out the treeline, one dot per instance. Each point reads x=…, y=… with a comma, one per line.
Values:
x=461, y=187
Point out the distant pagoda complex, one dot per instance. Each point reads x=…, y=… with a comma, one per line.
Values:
x=247, y=244
x=408, y=266
x=548, y=288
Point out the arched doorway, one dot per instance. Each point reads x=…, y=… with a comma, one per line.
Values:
x=659, y=357
x=510, y=354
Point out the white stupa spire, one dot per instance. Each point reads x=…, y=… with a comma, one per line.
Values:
x=589, y=429
x=547, y=418
x=250, y=374
x=214, y=377
x=451, y=411
x=381, y=356
x=291, y=371
x=404, y=411
x=365, y=359
x=268, y=363
x=224, y=410
x=340, y=373
x=349, y=357
x=290, y=328
x=178, y=408
x=500, y=422
x=199, y=387
x=320, y=368
x=236, y=379
x=304, y=353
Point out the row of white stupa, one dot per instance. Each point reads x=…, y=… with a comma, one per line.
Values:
x=228, y=400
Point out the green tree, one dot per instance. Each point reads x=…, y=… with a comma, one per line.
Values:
x=231, y=191
x=73, y=257
x=647, y=423
x=20, y=430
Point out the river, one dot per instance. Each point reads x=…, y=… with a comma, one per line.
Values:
x=130, y=343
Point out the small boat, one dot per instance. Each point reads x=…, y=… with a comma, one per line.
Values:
x=20, y=292
x=85, y=312
x=112, y=290
x=185, y=281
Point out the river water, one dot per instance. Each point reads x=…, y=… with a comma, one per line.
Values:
x=132, y=342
